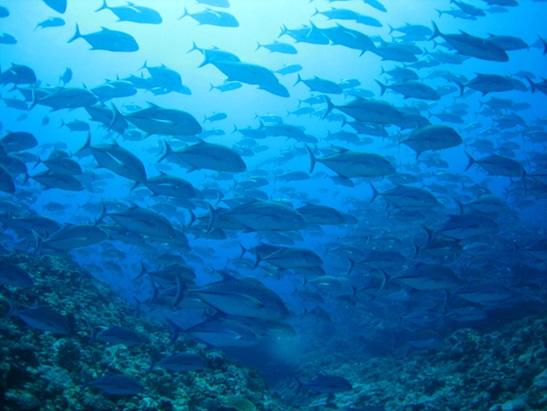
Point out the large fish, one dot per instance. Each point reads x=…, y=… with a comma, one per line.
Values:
x=350, y=164
x=107, y=39
x=468, y=45
x=206, y=156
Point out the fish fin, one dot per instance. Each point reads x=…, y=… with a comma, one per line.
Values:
x=258, y=46
x=243, y=250
x=76, y=35
x=298, y=80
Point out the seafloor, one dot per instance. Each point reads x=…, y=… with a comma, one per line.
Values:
x=505, y=369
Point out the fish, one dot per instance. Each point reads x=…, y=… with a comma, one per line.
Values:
x=58, y=5
x=208, y=156
x=411, y=89
x=107, y=39
x=489, y=83
x=6, y=38
x=66, y=76
x=257, y=215
x=170, y=186
x=50, y=22
x=116, y=159
x=65, y=182
x=472, y=46
x=119, y=335
x=433, y=137
x=368, y=111
x=182, y=362
x=45, y=319
x=164, y=121
x=133, y=13
x=65, y=97
x=497, y=165
x=72, y=236
x=327, y=383
x=320, y=85
x=18, y=74
x=406, y=197
x=277, y=47
x=212, y=17
x=13, y=275
x=245, y=297
x=16, y=141
x=117, y=385
x=351, y=164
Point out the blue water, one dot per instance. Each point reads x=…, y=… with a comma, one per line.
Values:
x=362, y=311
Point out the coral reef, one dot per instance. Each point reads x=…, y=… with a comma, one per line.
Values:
x=42, y=371
x=501, y=370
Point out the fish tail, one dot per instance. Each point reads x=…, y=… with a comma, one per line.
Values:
x=330, y=106
x=470, y=161
x=258, y=46
x=184, y=14
x=351, y=266
x=168, y=151
x=436, y=31
x=391, y=29
x=385, y=279
x=235, y=129
x=102, y=215
x=258, y=260
x=284, y=30
x=243, y=250
x=76, y=35
x=383, y=87
x=86, y=145
x=39, y=242
x=461, y=87
x=212, y=217
x=144, y=66
x=375, y=193
x=192, y=219
x=211, y=87
x=38, y=162
x=104, y=6
x=115, y=116
x=194, y=47
x=298, y=80
x=532, y=84
x=34, y=98
x=313, y=159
